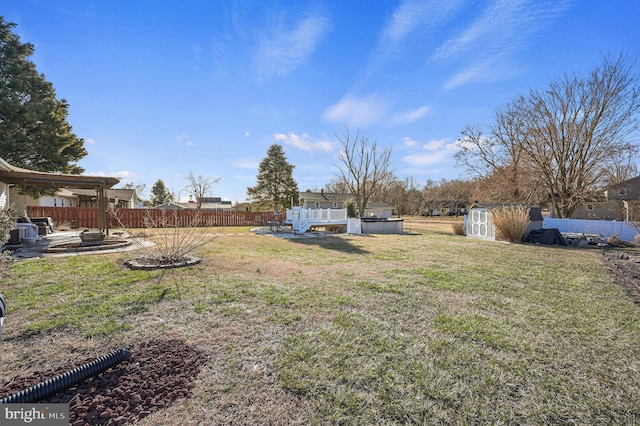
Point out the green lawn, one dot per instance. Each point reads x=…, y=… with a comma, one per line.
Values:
x=428, y=328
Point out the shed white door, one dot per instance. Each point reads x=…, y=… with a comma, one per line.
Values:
x=479, y=223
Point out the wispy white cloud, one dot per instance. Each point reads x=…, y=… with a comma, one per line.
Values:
x=426, y=158
x=303, y=142
x=434, y=144
x=408, y=142
x=247, y=134
x=479, y=71
x=410, y=116
x=271, y=42
x=356, y=112
x=490, y=41
x=412, y=17
x=405, y=19
x=435, y=151
x=282, y=49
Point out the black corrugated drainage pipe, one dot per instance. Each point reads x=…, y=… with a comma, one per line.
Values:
x=52, y=386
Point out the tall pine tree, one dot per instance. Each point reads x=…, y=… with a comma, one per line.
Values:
x=34, y=132
x=160, y=194
x=275, y=186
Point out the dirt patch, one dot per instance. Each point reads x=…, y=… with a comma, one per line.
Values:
x=158, y=373
x=624, y=267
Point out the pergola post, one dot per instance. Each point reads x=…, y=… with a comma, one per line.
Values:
x=102, y=214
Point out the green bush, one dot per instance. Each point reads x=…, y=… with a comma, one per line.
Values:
x=351, y=209
x=7, y=223
x=510, y=222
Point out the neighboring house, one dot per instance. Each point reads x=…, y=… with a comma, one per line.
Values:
x=215, y=203
x=244, y=206
x=322, y=200
x=63, y=198
x=620, y=201
x=118, y=198
x=169, y=206
x=208, y=203
x=381, y=210
x=332, y=200
x=78, y=197
x=628, y=190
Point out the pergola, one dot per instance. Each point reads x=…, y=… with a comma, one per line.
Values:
x=13, y=175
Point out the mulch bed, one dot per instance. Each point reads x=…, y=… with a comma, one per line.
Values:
x=158, y=373
x=624, y=267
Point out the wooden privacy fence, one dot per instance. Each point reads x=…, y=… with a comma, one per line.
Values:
x=85, y=217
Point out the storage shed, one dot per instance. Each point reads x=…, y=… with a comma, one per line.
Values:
x=479, y=221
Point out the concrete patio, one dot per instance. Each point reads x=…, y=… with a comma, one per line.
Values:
x=44, y=247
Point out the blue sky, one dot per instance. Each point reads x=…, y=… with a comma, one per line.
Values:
x=158, y=89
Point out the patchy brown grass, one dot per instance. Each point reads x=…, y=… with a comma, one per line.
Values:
x=426, y=327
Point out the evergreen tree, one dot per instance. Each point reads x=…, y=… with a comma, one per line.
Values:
x=160, y=194
x=34, y=130
x=275, y=184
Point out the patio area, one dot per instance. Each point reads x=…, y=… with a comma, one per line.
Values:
x=69, y=243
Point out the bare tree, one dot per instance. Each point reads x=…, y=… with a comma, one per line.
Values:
x=431, y=197
x=578, y=126
x=404, y=195
x=498, y=158
x=199, y=187
x=565, y=137
x=455, y=195
x=363, y=167
x=620, y=170
x=336, y=186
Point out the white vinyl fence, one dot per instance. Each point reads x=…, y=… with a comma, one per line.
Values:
x=626, y=231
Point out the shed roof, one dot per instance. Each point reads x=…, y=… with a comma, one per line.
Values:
x=535, y=213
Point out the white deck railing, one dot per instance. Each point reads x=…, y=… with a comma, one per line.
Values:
x=302, y=219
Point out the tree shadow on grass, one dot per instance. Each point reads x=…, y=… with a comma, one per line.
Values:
x=330, y=243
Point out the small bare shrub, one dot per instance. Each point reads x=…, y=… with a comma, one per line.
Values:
x=174, y=240
x=458, y=228
x=511, y=222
